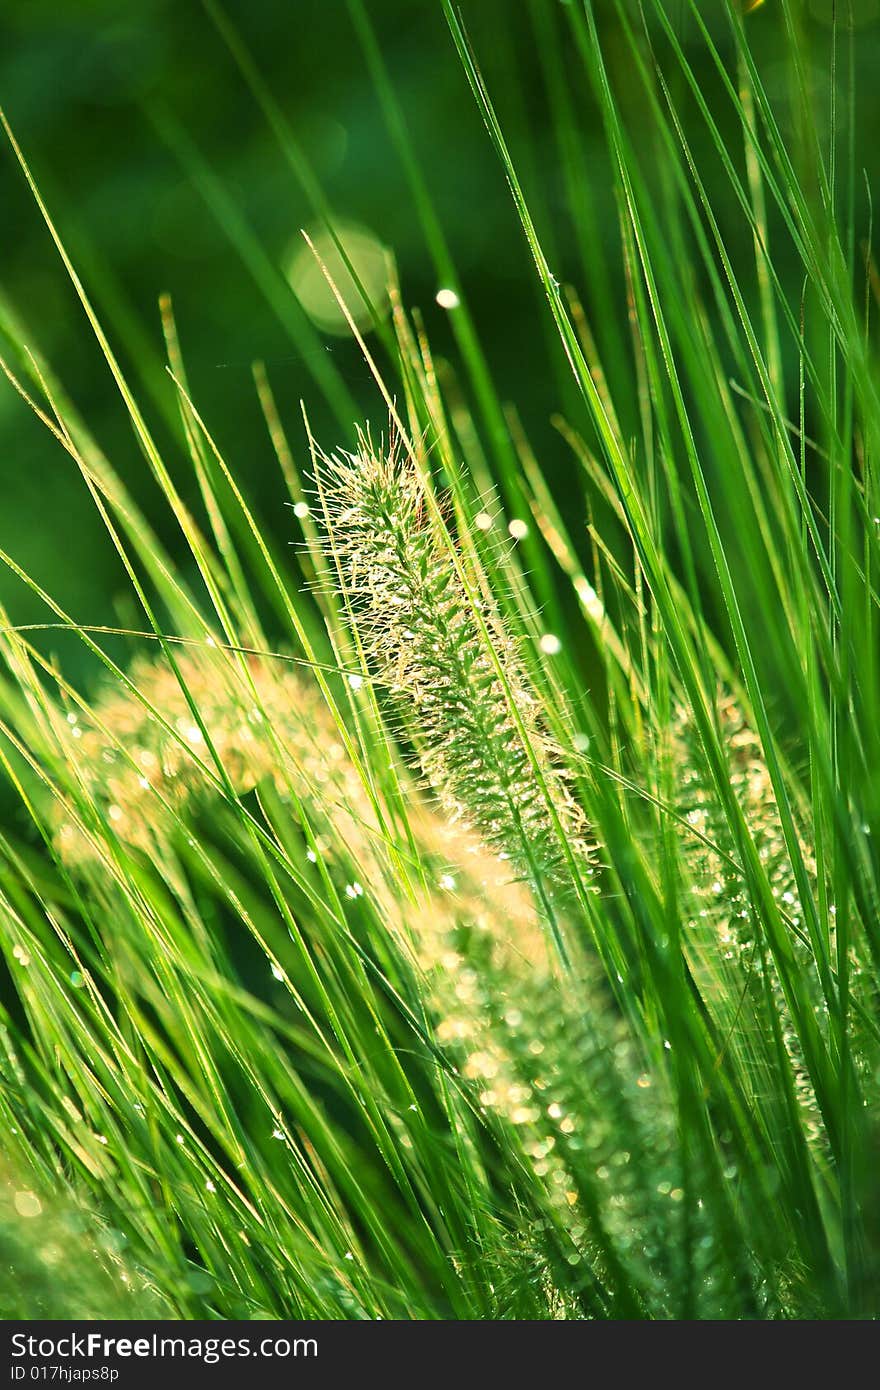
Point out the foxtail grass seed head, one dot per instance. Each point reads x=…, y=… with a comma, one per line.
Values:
x=474, y=933
x=453, y=669
x=272, y=724
x=718, y=893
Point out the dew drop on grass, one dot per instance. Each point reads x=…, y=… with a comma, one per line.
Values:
x=518, y=529
x=447, y=298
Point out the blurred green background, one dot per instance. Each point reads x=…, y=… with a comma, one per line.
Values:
x=114, y=107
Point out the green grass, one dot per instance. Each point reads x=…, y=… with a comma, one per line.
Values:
x=442, y=920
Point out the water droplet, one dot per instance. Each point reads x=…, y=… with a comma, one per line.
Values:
x=447, y=299
x=483, y=521
x=28, y=1204
x=550, y=644
x=518, y=529
x=301, y=509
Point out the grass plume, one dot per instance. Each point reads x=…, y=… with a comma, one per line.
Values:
x=452, y=669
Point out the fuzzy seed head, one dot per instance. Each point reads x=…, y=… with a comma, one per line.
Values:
x=455, y=673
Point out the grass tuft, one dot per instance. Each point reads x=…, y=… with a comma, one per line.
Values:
x=471, y=911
